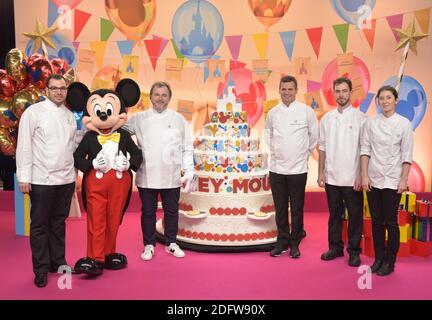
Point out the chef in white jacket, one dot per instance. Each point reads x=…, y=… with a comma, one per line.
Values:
x=165, y=139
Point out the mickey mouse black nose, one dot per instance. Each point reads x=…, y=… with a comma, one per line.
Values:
x=103, y=116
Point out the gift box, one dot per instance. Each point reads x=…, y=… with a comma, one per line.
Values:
x=423, y=208
x=366, y=211
x=367, y=227
x=408, y=201
x=404, y=217
x=422, y=229
x=22, y=211
x=345, y=231
x=405, y=233
x=420, y=248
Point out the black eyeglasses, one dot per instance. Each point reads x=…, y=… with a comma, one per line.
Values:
x=57, y=88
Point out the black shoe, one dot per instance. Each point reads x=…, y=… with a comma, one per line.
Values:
x=331, y=254
x=278, y=250
x=385, y=269
x=294, y=252
x=354, y=260
x=41, y=280
x=89, y=266
x=376, y=265
x=115, y=261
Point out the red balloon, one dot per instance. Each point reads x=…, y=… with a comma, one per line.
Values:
x=416, y=179
x=251, y=93
x=331, y=73
x=39, y=69
x=7, y=84
x=59, y=66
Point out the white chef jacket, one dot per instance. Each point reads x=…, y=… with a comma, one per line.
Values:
x=292, y=133
x=340, y=140
x=389, y=143
x=46, y=143
x=166, y=143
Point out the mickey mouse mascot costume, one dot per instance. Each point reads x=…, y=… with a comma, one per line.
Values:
x=107, y=181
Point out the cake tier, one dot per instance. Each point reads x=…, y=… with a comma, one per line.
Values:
x=228, y=116
x=227, y=220
x=228, y=145
x=243, y=183
x=232, y=130
x=217, y=162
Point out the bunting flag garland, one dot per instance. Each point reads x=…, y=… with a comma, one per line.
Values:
x=234, y=43
x=80, y=20
x=370, y=33
x=288, y=42
x=261, y=43
x=341, y=31
x=314, y=35
x=394, y=22
x=106, y=29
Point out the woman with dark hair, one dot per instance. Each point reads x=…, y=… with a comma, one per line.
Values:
x=386, y=156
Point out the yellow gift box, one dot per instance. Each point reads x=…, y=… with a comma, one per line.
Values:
x=408, y=201
x=405, y=233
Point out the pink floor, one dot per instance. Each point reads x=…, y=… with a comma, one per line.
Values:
x=202, y=276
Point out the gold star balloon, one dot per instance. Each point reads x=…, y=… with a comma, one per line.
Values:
x=409, y=36
x=41, y=36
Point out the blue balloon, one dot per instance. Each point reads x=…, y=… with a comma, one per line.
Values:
x=349, y=9
x=78, y=118
x=412, y=99
x=64, y=49
x=197, y=30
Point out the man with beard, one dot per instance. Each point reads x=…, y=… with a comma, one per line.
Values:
x=339, y=172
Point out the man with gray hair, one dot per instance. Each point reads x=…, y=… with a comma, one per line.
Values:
x=165, y=139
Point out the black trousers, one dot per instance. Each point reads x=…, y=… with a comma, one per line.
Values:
x=288, y=188
x=337, y=199
x=170, y=204
x=50, y=207
x=383, y=206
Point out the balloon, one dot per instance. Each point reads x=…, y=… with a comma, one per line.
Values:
x=252, y=94
x=64, y=49
x=69, y=76
x=416, y=179
x=7, y=84
x=70, y=3
x=197, y=29
x=16, y=67
x=25, y=98
x=412, y=99
x=39, y=69
x=134, y=18
x=268, y=12
x=7, y=143
x=59, y=66
x=352, y=11
x=7, y=118
x=331, y=73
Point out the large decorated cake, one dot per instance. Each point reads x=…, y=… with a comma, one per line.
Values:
x=233, y=205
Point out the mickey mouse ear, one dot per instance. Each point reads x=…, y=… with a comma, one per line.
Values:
x=77, y=96
x=129, y=91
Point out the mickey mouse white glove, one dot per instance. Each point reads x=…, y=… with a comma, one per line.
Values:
x=189, y=181
x=100, y=163
x=121, y=163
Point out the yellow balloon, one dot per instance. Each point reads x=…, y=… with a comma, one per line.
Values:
x=7, y=118
x=133, y=18
x=23, y=99
x=15, y=65
x=7, y=143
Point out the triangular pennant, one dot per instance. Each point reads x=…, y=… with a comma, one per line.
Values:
x=153, y=48
x=234, y=43
x=206, y=67
x=313, y=86
x=261, y=43
x=395, y=22
x=163, y=43
x=235, y=64
x=80, y=20
x=125, y=46
x=176, y=50
x=364, y=106
x=76, y=44
x=370, y=33
x=52, y=13
x=99, y=48
x=341, y=31
x=288, y=42
x=106, y=29
x=423, y=18
x=314, y=35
